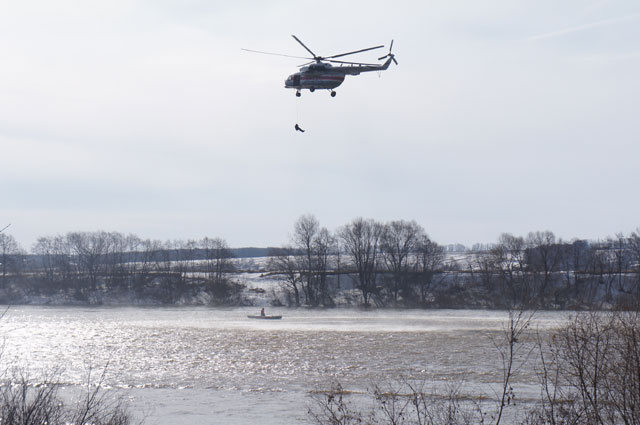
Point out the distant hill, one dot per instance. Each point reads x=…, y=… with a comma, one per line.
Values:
x=250, y=252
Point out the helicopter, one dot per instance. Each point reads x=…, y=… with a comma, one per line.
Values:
x=321, y=74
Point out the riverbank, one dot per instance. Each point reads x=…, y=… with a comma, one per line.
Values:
x=258, y=282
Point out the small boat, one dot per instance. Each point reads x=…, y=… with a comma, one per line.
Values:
x=265, y=317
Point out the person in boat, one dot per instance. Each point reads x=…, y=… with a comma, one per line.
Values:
x=262, y=312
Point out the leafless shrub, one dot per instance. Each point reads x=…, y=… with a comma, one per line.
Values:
x=26, y=402
x=331, y=408
x=591, y=371
x=402, y=402
x=514, y=354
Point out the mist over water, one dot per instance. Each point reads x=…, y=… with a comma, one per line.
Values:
x=202, y=365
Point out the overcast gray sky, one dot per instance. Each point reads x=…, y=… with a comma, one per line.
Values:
x=146, y=117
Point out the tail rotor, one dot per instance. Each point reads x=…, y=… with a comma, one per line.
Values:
x=389, y=55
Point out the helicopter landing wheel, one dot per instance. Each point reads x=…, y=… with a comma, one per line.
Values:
x=298, y=94
x=333, y=93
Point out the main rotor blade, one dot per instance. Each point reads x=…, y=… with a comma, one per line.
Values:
x=275, y=54
x=353, y=63
x=354, y=52
x=308, y=49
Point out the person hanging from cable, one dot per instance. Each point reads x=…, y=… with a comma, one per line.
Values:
x=298, y=128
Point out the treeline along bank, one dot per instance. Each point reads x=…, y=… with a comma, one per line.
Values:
x=364, y=263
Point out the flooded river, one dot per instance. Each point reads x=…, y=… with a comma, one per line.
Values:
x=216, y=366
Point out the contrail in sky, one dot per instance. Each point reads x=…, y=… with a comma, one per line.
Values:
x=578, y=28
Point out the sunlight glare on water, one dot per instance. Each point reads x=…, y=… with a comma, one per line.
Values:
x=190, y=364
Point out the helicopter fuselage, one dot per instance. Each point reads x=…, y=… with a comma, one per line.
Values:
x=315, y=76
x=323, y=75
x=312, y=80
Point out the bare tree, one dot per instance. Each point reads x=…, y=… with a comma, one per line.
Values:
x=218, y=257
x=283, y=262
x=574, y=265
x=9, y=255
x=634, y=254
x=429, y=260
x=54, y=264
x=361, y=241
x=148, y=263
x=508, y=259
x=182, y=253
x=542, y=258
x=324, y=244
x=482, y=263
x=622, y=259
x=399, y=241
x=116, y=273
x=304, y=234
x=44, y=249
x=90, y=249
x=62, y=253
x=603, y=269
x=218, y=262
